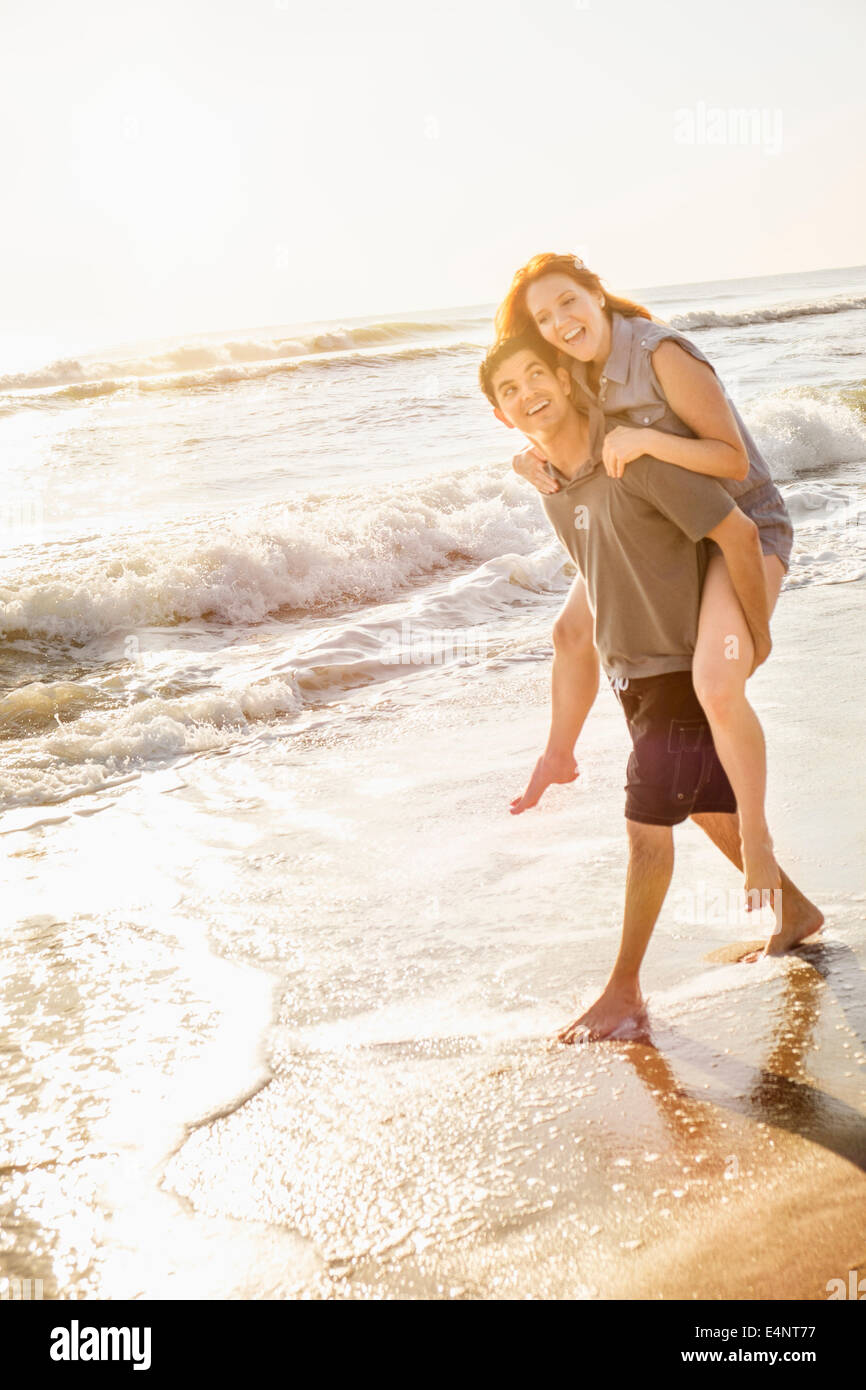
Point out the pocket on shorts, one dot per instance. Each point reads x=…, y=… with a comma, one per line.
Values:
x=629, y=699
x=687, y=745
x=686, y=735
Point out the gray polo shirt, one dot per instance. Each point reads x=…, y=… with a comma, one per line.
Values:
x=634, y=540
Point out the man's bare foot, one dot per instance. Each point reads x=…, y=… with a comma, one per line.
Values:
x=615, y=1006
x=799, y=921
x=551, y=767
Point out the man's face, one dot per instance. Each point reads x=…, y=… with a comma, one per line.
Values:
x=531, y=397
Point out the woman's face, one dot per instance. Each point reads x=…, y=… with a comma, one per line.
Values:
x=568, y=316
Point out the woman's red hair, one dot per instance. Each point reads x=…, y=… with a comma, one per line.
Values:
x=514, y=319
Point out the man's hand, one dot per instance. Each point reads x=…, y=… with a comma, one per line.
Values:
x=530, y=465
x=623, y=445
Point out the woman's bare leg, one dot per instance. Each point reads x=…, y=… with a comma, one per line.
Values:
x=800, y=917
x=723, y=660
x=574, y=686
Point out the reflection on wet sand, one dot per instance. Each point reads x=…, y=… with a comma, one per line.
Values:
x=443, y=1167
x=778, y=1092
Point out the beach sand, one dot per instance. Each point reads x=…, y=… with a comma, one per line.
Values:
x=322, y=1065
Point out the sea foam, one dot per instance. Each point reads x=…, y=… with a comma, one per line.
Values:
x=335, y=551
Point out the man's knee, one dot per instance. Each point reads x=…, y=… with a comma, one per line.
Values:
x=649, y=841
x=571, y=635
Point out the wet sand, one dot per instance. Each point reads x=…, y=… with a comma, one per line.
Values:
x=358, y=1098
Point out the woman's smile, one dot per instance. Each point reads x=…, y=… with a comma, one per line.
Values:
x=573, y=335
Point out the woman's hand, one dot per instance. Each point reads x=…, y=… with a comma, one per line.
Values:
x=623, y=445
x=530, y=465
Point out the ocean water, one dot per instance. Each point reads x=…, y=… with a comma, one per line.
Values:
x=238, y=571
x=206, y=535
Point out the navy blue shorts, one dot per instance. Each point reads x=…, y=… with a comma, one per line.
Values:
x=674, y=770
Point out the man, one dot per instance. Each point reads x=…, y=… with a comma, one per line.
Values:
x=637, y=541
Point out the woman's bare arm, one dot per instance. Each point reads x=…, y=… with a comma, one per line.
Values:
x=694, y=394
x=530, y=465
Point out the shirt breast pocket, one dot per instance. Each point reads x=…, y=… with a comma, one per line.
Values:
x=647, y=414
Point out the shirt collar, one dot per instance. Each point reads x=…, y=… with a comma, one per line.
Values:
x=616, y=366
x=583, y=472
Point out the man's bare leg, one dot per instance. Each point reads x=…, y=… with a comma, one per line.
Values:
x=650, y=866
x=799, y=916
x=574, y=686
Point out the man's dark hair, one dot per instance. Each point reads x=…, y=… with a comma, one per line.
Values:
x=507, y=347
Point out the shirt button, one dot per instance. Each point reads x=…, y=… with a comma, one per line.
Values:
x=646, y=419
x=643, y=342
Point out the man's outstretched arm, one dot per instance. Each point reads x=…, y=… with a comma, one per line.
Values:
x=737, y=537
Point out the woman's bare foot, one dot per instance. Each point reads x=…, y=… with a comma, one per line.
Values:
x=551, y=767
x=617, y=1004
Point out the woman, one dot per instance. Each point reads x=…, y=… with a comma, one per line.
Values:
x=668, y=403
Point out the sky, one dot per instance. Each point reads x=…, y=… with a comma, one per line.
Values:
x=192, y=165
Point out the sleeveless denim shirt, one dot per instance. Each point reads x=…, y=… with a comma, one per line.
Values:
x=630, y=394
x=630, y=391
